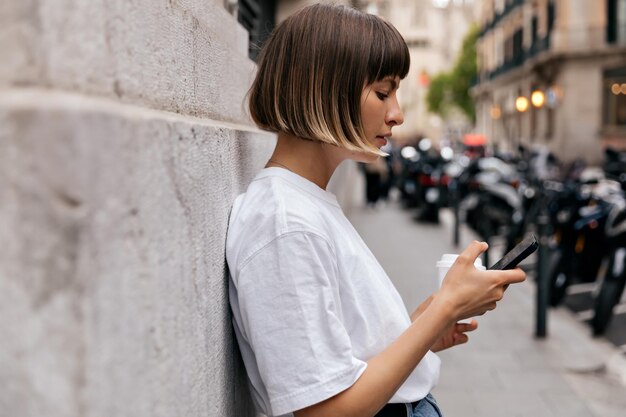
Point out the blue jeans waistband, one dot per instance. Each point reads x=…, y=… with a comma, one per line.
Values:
x=426, y=407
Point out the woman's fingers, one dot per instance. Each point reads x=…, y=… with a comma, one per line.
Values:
x=474, y=292
x=472, y=252
x=460, y=338
x=466, y=327
x=514, y=276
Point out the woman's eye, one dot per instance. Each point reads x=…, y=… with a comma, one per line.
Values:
x=382, y=96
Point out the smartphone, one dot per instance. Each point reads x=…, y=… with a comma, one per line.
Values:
x=517, y=254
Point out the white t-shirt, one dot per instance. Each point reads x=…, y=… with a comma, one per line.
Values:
x=311, y=304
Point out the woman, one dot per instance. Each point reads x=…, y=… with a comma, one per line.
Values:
x=321, y=329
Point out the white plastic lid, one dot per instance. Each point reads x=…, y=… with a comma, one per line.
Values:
x=447, y=259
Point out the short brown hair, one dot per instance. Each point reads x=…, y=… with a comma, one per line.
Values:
x=313, y=68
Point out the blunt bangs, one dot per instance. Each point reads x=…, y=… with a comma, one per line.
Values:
x=388, y=55
x=312, y=71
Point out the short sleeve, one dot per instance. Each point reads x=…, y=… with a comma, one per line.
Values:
x=290, y=313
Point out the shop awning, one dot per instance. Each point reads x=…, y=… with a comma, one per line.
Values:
x=474, y=139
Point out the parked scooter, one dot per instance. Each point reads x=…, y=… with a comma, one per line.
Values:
x=539, y=173
x=579, y=216
x=407, y=178
x=614, y=166
x=489, y=202
x=612, y=286
x=424, y=181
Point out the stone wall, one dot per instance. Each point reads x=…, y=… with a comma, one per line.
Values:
x=123, y=142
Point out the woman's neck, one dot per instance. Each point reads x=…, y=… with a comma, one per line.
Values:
x=315, y=161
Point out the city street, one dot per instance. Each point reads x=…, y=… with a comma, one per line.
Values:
x=504, y=370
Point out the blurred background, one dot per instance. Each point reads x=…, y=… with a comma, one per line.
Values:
x=123, y=142
x=543, y=72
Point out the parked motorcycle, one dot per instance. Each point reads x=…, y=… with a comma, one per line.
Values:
x=407, y=178
x=487, y=196
x=612, y=286
x=424, y=181
x=615, y=166
x=539, y=173
x=579, y=215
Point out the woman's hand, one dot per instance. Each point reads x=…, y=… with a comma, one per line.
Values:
x=454, y=335
x=470, y=292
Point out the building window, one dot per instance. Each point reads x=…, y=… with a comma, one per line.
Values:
x=518, y=47
x=258, y=18
x=417, y=43
x=616, y=21
x=614, y=100
x=551, y=15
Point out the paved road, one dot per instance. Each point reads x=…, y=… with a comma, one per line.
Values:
x=504, y=370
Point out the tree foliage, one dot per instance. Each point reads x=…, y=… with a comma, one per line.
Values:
x=451, y=89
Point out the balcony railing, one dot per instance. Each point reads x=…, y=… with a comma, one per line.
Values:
x=497, y=17
x=538, y=46
x=510, y=5
x=518, y=60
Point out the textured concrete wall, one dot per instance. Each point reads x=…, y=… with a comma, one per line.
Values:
x=122, y=145
x=187, y=56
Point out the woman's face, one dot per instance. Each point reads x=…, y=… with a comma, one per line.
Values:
x=380, y=112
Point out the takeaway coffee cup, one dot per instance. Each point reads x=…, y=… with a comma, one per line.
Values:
x=444, y=264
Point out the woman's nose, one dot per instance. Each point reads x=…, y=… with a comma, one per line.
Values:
x=394, y=115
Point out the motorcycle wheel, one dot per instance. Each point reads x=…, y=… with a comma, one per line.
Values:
x=609, y=295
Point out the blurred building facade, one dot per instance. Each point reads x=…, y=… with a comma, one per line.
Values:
x=434, y=31
x=553, y=73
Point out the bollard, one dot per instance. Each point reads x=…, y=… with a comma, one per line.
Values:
x=543, y=287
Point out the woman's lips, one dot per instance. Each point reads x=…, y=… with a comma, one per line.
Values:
x=382, y=140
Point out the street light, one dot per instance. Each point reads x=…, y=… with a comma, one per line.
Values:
x=537, y=98
x=521, y=104
x=616, y=89
x=495, y=112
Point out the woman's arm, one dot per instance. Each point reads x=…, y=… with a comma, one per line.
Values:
x=387, y=371
x=466, y=292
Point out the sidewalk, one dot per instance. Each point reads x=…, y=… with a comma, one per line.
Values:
x=503, y=371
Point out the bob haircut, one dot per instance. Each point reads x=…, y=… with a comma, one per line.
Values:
x=312, y=71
